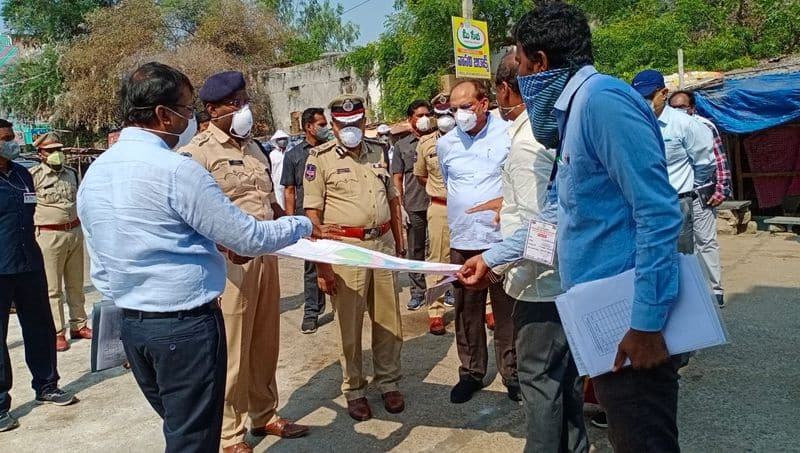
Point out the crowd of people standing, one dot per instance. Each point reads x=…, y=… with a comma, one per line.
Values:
x=628, y=174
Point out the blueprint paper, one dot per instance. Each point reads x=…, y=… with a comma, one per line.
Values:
x=344, y=254
x=596, y=315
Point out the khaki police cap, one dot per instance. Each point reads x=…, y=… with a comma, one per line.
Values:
x=48, y=141
x=347, y=108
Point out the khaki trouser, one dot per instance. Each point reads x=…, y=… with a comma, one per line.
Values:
x=251, y=309
x=374, y=290
x=438, y=251
x=63, y=263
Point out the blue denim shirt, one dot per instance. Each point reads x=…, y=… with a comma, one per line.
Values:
x=152, y=217
x=617, y=209
x=19, y=251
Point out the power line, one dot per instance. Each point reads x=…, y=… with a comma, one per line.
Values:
x=356, y=6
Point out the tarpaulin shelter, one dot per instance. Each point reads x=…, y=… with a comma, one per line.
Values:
x=758, y=111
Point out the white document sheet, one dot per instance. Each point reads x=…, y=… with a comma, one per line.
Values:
x=596, y=315
x=341, y=253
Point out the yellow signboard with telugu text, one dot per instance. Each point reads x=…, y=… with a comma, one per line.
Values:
x=471, y=49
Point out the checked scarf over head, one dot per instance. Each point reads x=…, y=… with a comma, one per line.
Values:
x=539, y=92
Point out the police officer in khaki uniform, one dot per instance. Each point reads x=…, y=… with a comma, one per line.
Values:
x=347, y=183
x=60, y=237
x=251, y=301
x=427, y=171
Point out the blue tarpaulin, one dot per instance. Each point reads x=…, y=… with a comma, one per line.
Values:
x=741, y=106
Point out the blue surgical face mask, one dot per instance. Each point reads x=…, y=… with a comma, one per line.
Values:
x=540, y=92
x=9, y=150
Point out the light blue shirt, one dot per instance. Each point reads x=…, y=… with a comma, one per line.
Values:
x=152, y=217
x=471, y=168
x=689, y=146
x=617, y=209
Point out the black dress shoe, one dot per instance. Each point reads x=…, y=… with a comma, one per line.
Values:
x=462, y=392
x=514, y=393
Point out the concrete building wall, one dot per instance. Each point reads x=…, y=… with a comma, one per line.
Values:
x=294, y=89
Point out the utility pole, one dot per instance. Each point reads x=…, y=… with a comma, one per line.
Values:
x=466, y=11
x=680, y=69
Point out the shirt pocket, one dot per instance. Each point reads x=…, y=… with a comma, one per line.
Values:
x=382, y=176
x=51, y=194
x=674, y=150
x=346, y=184
x=8, y=199
x=234, y=180
x=66, y=191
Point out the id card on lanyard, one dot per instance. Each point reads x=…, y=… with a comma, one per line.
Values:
x=29, y=197
x=540, y=246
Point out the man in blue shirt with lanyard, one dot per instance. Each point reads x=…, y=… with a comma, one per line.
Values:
x=153, y=220
x=23, y=282
x=617, y=210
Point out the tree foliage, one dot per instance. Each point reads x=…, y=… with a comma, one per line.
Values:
x=319, y=29
x=628, y=35
x=50, y=20
x=316, y=27
x=417, y=47
x=30, y=88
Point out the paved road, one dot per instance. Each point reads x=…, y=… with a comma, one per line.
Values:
x=742, y=397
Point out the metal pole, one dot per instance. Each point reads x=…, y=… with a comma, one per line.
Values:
x=466, y=11
x=680, y=69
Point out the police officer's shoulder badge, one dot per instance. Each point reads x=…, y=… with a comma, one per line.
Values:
x=327, y=146
x=311, y=172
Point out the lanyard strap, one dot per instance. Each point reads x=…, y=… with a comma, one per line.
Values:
x=563, y=133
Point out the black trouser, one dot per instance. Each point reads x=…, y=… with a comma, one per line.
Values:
x=686, y=235
x=315, y=299
x=417, y=233
x=470, y=311
x=28, y=291
x=180, y=365
x=552, y=391
x=642, y=408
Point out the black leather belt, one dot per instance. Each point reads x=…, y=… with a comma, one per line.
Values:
x=691, y=194
x=194, y=312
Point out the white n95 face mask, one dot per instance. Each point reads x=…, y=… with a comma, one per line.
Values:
x=424, y=124
x=466, y=119
x=188, y=133
x=350, y=136
x=242, y=122
x=445, y=123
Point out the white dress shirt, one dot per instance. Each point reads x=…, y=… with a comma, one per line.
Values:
x=526, y=175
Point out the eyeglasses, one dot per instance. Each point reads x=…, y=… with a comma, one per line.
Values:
x=469, y=106
x=188, y=107
x=238, y=102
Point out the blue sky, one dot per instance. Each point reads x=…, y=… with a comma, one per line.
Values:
x=369, y=15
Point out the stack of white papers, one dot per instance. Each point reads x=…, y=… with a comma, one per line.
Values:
x=596, y=315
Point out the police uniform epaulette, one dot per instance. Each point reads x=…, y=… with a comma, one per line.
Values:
x=201, y=138
x=323, y=148
x=431, y=136
x=36, y=168
x=375, y=145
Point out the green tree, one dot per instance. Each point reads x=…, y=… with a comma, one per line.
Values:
x=29, y=89
x=417, y=47
x=316, y=27
x=48, y=20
